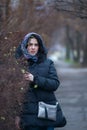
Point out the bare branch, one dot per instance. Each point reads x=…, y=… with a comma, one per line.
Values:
x=76, y=7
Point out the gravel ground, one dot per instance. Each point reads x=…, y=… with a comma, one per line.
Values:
x=72, y=95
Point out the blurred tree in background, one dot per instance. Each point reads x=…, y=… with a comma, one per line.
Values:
x=46, y=17
x=74, y=7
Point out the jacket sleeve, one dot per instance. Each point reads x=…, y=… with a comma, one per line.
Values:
x=50, y=82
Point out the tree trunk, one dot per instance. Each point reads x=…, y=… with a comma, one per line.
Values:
x=78, y=43
x=67, y=43
x=85, y=52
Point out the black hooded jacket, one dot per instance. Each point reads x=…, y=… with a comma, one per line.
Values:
x=41, y=89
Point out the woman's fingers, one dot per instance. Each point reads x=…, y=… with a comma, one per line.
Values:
x=28, y=76
x=17, y=122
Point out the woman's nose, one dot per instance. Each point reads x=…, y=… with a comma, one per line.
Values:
x=33, y=46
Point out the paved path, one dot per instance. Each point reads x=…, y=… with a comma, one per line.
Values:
x=72, y=95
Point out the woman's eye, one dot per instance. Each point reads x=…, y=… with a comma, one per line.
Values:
x=31, y=44
x=36, y=44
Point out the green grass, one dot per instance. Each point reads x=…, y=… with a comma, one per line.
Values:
x=73, y=63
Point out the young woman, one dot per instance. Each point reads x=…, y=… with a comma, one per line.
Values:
x=43, y=81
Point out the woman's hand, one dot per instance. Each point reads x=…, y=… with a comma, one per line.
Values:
x=17, y=122
x=28, y=76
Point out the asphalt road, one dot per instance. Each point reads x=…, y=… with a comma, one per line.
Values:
x=72, y=95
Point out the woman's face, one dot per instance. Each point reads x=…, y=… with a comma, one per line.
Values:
x=33, y=46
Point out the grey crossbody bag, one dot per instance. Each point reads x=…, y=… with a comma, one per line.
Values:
x=47, y=111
